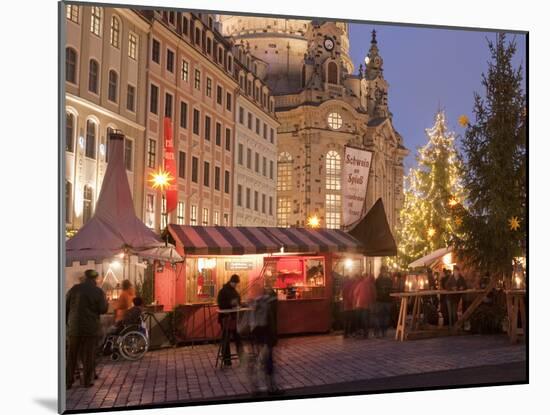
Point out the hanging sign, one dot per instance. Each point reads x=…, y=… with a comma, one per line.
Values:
x=238, y=265
x=355, y=180
x=170, y=166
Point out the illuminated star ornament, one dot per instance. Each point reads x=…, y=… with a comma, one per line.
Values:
x=463, y=120
x=431, y=232
x=161, y=179
x=513, y=223
x=453, y=202
x=313, y=222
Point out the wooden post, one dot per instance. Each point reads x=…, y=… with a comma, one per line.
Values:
x=475, y=304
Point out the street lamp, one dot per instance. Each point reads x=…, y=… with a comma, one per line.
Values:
x=161, y=180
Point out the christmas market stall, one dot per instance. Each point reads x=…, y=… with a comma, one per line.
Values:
x=297, y=262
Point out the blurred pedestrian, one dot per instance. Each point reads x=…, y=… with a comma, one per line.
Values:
x=347, y=306
x=265, y=336
x=229, y=298
x=455, y=282
x=365, y=296
x=85, y=302
x=124, y=301
x=443, y=297
x=383, y=302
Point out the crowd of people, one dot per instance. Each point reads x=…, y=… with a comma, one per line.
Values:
x=367, y=304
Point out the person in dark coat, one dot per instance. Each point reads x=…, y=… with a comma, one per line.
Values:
x=384, y=286
x=85, y=302
x=265, y=334
x=443, y=297
x=228, y=298
x=455, y=282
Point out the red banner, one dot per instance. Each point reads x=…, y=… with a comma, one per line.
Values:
x=170, y=166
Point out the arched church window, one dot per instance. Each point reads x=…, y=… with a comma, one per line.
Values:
x=284, y=171
x=332, y=73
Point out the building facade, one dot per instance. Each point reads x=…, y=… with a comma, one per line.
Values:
x=191, y=81
x=105, y=82
x=322, y=106
x=255, y=155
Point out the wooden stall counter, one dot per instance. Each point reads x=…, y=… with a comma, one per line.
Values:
x=307, y=315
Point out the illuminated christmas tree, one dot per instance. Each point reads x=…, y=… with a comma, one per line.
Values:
x=433, y=190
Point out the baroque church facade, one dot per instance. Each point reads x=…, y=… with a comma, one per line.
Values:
x=322, y=105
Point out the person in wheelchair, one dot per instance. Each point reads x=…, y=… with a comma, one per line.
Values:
x=132, y=317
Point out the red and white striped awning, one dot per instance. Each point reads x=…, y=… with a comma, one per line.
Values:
x=240, y=240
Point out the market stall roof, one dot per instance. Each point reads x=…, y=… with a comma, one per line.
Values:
x=431, y=258
x=240, y=240
x=374, y=232
x=114, y=226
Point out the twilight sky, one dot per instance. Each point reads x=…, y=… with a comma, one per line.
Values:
x=425, y=67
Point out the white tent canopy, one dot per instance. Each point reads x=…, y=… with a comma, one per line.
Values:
x=429, y=259
x=115, y=228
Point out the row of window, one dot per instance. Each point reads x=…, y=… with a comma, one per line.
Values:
x=90, y=141
x=194, y=219
x=258, y=124
x=72, y=13
x=256, y=92
x=333, y=211
x=264, y=164
x=208, y=128
x=264, y=208
x=94, y=79
x=333, y=171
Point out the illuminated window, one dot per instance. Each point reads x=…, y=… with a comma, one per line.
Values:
x=163, y=214
x=180, y=217
x=216, y=218
x=284, y=208
x=208, y=87
x=151, y=153
x=95, y=22
x=185, y=71
x=132, y=46
x=115, y=32
x=87, y=200
x=93, y=76
x=333, y=211
x=284, y=172
x=194, y=211
x=205, y=216
x=334, y=120
x=70, y=65
x=197, y=79
x=71, y=13
x=150, y=211
x=333, y=167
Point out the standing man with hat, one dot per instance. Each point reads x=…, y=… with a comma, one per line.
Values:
x=229, y=298
x=84, y=304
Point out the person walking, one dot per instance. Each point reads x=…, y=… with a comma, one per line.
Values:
x=85, y=302
x=365, y=295
x=383, y=307
x=455, y=282
x=124, y=301
x=228, y=298
x=265, y=336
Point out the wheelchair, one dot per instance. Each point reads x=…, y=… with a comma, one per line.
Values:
x=131, y=342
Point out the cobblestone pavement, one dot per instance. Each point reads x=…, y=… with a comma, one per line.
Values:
x=187, y=374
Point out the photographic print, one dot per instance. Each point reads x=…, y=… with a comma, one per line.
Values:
x=266, y=207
